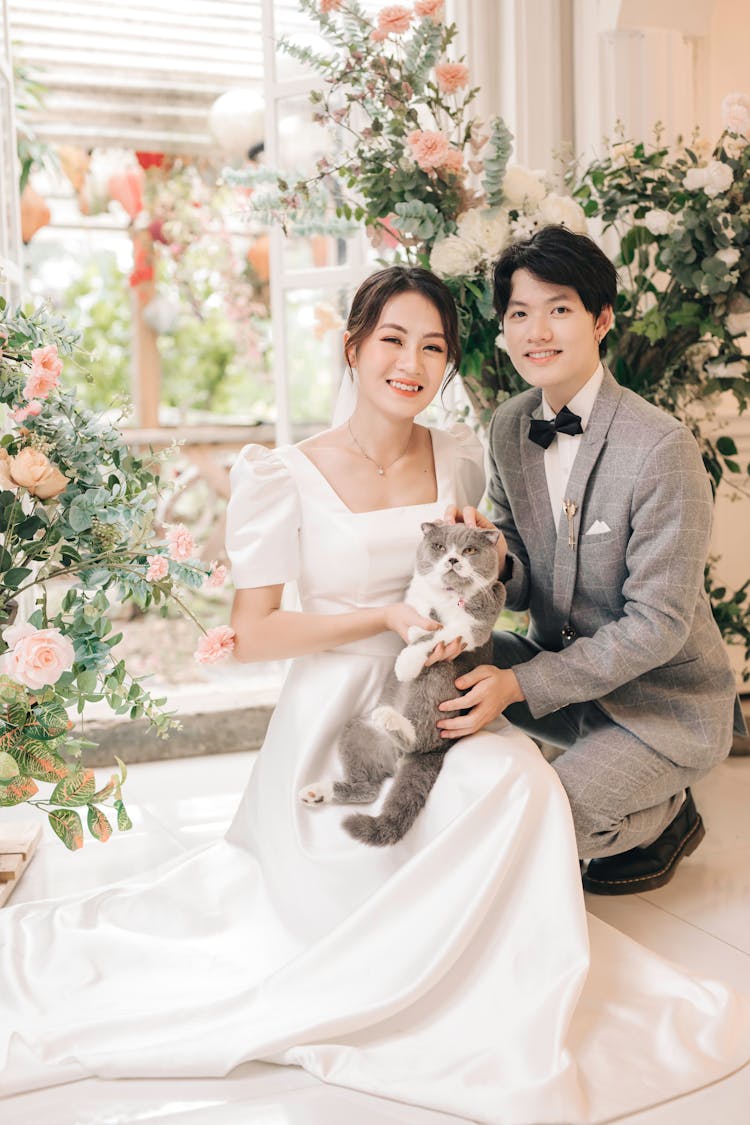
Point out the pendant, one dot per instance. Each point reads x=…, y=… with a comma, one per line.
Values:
x=381, y=470
x=570, y=508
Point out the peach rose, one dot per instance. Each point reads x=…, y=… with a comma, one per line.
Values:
x=7, y=484
x=451, y=76
x=454, y=161
x=217, y=576
x=46, y=366
x=429, y=8
x=158, y=568
x=217, y=645
x=428, y=148
x=327, y=6
x=393, y=20
x=37, y=657
x=181, y=545
x=32, y=470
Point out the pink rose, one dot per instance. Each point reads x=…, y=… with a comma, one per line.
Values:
x=158, y=568
x=393, y=20
x=327, y=6
x=451, y=76
x=429, y=149
x=431, y=8
x=46, y=366
x=181, y=545
x=217, y=645
x=38, y=657
x=21, y=413
x=454, y=162
x=32, y=470
x=217, y=575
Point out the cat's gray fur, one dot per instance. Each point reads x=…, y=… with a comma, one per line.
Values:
x=455, y=583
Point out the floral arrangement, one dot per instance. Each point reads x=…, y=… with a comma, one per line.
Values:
x=74, y=504
x=414, y=166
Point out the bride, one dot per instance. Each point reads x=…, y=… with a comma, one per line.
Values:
x=456, y=970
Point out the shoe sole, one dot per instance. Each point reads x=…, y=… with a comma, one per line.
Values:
x=648, y=882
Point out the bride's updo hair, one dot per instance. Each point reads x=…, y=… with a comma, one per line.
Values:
x=374, y=293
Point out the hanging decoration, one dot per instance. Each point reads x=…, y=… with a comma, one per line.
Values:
x=35, y=213
x=235, y=121
x=127, y=189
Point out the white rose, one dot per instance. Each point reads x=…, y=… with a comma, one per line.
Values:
x=730, y=256
x=696, y=178
x=488, y=230
x=659, y=222
x=562, y=210
x=454, y=256
x=524, y=226
x=735, y=113
x=734, y=147
x=522, y=185
x=719, y=178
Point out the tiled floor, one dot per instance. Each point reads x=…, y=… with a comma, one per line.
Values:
x=702, y=919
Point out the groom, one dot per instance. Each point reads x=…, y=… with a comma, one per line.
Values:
x=605, y=509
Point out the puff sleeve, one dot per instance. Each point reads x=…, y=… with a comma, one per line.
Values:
x=263, y=520
x=470, y=473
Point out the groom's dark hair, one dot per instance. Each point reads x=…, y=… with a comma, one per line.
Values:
x=560, y=257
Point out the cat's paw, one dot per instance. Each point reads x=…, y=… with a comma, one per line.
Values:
x=416, y=633
x=393, y=722
x=319, y=793
x=409, y=663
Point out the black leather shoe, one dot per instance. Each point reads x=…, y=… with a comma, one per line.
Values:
x=644, y=869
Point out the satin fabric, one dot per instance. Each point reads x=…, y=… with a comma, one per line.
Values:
x=457, y=970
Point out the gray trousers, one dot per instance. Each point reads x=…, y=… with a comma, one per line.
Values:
x=622, y=792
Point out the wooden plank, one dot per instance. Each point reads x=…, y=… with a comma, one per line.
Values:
x=18, y=842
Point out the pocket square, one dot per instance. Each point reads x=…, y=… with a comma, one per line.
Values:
x=598, y=527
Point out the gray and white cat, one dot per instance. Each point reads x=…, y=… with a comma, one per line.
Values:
x=455, y=583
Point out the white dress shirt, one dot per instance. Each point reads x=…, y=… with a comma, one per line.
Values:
x=560, y=455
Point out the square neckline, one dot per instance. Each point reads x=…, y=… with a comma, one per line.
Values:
x=439, y=482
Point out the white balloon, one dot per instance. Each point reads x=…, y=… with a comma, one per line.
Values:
x=236, y=120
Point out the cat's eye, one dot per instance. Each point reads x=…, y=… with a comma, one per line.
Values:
x=469, y=550
x=438, y=548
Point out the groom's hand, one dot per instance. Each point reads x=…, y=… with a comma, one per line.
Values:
x=472, y=518
x=490, y=691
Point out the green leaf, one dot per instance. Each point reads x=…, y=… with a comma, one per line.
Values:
x=76, y=789
x=67, y=825
x=8, y=766
x=99, y=826
x=726, y=446
x=18, y=790
x=124, y=823
x=87, y=681
x=38, y=760
x=15, y=576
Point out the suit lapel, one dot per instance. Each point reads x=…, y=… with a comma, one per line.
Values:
x=535, y=480
x=592, y=443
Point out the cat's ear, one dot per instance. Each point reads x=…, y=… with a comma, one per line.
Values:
x=428, y=527
x=491, y=534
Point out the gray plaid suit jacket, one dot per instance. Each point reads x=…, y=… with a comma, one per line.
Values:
x=623, y=616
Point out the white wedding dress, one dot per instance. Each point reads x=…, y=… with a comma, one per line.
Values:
x=457, y=970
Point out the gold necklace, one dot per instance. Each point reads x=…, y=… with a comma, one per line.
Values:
x=381, y=468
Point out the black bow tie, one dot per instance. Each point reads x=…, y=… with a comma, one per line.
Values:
x=564, y=422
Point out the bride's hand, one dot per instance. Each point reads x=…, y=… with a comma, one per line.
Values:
x=400, y=618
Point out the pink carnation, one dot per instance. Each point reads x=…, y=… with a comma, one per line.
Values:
x=158, y=568
x=46, y=366
x=327, y=6
x=451, y=76
x=37, y=657
x=431, y=8
x=21, y=413
x=429, y=149
x=181, y=545
x=217, y=575
x=393, y=20
x=454, y=161
x=217, y=645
